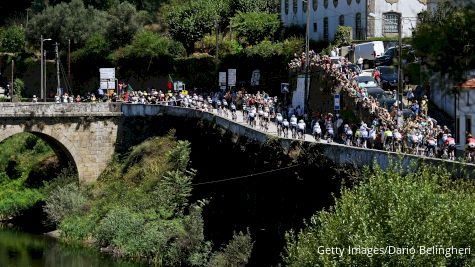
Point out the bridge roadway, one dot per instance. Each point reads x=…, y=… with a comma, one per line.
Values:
x=338, y=153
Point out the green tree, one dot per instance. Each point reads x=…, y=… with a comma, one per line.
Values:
x=12, y=39
x=342, y=36
x=18, y=87
x=190, y=21
x=124, y=22
x=446, y=40
x=254, y=27
x=67, y=21
x=424, y=207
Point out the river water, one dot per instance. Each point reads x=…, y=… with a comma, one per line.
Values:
x=21, y=249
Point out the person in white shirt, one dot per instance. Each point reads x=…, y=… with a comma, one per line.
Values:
x=360, y=63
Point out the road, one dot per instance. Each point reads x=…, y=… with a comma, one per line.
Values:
x=272, y=126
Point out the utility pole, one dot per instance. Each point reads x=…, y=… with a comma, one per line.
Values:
x=41, y=63
x=58, y=88
x=399, y=73
x=217, y=34
x=307, y=42
x=69, y=60
x=12, y=87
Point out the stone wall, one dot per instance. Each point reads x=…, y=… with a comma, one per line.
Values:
x=85, y=134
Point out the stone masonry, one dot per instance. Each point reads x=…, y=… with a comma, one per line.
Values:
x=84, y=133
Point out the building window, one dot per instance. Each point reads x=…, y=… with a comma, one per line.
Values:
x=325, y=4
x=304, y=5
x=349, y=2
x=315, y=27
x=286, y=6
x=341, y=20
x=335, y=3
x=391, y=22
x=358, y=31
x=325, y=29
x=315, y=4
x=294, y=2
x=358, y=1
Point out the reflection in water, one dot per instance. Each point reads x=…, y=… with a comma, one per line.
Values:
x=23, y=249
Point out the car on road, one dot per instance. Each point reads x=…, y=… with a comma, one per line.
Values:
x=388, y=77
x=366, y=81
x=390, y=56
x=386, y=99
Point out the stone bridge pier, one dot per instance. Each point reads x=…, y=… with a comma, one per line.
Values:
x=83, y=134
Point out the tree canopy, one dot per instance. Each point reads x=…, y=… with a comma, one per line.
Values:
x=254, y=27
x=446, y=40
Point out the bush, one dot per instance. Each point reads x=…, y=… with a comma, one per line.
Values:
x=236, y=253
x=12, y=39
x=77, y=228
x=64, y=202
x=421, y=208
x=265, y=49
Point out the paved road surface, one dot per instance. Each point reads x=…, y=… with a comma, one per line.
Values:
x=272, y=126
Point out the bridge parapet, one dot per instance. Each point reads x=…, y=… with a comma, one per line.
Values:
x=59, y=109
x=338, y=153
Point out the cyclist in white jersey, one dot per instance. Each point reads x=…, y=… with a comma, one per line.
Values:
x=317, y=131
x=301, y=128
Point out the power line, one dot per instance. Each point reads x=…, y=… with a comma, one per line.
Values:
x=246, y=176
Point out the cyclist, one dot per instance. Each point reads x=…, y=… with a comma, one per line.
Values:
x=329, y=128
x=293, y=125
x=431, y=146
x=285, y=127
x=348, y=134
x=301, y=129
x=233, y=111
x=450, y=144
x=364, y=136
x=278, y=121
x=388, y=138
x=397, y=137
x=470, y=147
x=317, y=131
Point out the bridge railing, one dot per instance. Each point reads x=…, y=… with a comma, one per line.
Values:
x=59, y=109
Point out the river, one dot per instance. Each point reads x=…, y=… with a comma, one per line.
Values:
x=21, y=249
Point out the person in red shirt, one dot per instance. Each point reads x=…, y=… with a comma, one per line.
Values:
x=376, y=75
x=450, y=144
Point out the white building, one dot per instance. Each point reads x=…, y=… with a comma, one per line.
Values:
x=325, y=16
x=383, y=16
x=368, y=18
x=460, y=106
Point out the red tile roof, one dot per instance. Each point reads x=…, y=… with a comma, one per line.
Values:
x=469, y=84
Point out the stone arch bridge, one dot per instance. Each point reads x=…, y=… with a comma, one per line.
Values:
x=87, y=134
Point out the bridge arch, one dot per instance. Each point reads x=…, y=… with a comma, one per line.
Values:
x=88, y=143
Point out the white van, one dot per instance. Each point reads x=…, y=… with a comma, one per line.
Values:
x=368, y=51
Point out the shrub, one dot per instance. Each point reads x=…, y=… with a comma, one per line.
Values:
x=236, y=253
x=421, y=208
x=64, y=202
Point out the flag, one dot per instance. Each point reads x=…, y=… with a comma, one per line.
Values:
x=170, y=82
x=129, y=88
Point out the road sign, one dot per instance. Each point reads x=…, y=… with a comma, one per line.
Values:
x=284, y=87
x=107, y=73
x=231, y=77
x=222, y=78
x=337, y=102
x=107, y=78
